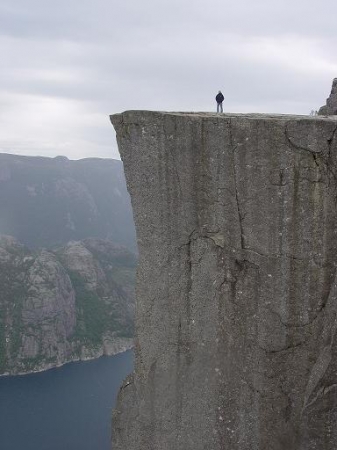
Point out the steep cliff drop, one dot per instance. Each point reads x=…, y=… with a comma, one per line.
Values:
x=236, y=292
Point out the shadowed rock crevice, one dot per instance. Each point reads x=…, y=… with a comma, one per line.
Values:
x=236, y=288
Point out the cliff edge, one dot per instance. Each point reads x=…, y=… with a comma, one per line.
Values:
x=236, y=291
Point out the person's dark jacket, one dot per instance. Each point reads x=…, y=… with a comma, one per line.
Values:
x=219, y=98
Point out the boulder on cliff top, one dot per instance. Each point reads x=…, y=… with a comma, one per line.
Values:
x=330, y=108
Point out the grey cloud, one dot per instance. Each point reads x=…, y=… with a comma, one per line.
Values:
x=91, y=20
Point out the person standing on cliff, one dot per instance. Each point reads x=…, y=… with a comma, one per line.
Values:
x=219, y=99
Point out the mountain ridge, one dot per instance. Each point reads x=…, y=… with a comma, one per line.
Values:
x=46, y=202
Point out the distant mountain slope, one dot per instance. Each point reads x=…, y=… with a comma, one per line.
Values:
x=71, y=303
x=49, y=201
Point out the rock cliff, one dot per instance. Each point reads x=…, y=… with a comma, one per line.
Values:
x=236, y=289
x=72, y=303
x=330, y=108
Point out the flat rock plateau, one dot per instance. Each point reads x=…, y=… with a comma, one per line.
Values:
x=236, y=287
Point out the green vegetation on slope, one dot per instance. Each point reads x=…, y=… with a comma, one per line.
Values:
x=50, y=313
x=92, y=314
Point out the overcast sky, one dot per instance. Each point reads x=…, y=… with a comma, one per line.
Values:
x=66, y=65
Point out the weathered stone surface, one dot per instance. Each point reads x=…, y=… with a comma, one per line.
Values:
x=330, y=108
x=72, y=303
x=236, y=291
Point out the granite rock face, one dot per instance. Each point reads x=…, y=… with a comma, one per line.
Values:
x=330, y=108
x=75, y=302
x=236, y=292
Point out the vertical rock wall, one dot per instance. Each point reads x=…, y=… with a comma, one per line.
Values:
x=236, y=291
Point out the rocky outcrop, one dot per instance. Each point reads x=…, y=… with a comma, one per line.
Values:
x=72, y=303
x=48, y=312
x=330, y=108
x=236, y=291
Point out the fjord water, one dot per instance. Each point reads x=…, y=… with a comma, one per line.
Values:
x=67, y=408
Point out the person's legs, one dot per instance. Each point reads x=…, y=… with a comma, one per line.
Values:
x=221, y=110
x=218, y=105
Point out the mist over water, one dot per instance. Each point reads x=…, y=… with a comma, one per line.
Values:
x=67, y=408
